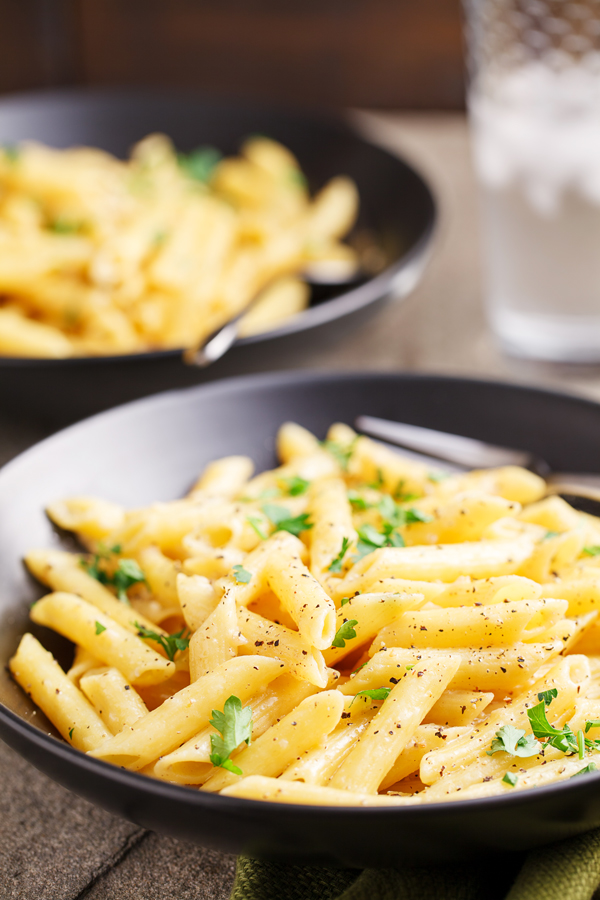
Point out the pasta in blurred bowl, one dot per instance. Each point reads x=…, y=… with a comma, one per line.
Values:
x=100, y=256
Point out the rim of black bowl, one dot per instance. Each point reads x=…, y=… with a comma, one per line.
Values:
x=338, y=307
x=184, y=794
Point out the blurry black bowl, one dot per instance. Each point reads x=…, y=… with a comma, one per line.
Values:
x=397, y=207
x=153, y=450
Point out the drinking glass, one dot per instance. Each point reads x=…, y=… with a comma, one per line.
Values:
x=534, y=102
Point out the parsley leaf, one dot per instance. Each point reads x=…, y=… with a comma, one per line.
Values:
x=126, y=574
x=548, y=696
x=241, y=575
x=514, y=741
x=510, y=778
x=71, y=730
x=257, y=525
x=399, y=515
x=62, y=225
x=170, y=643
x=296, y=485
x=336, y=564
x=400, y=495
x=591, y=551
x=591, y=723
x=344, y=633
x=373, y=693
x=591, y=767
x=99, y=627
x=342, y=454
x=235, y=725
x=550, y=534
x=362, y=665
x=200, y=163
x=347, y=600
x=12, y=152
x=562, y=739
x=283, y=520
x=379, y=481
x=437, y=476
x=357, y=501
x=369, y=539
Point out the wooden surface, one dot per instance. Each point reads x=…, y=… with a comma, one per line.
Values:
x=381, y=53
x=54, y=846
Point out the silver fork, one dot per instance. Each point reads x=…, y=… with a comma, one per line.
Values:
x=465, y=453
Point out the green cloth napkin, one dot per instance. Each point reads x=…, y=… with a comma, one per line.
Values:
x=568, y=870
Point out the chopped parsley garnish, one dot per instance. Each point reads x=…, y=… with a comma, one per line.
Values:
x=344, y=633
x=62, y=225
x=562, y=739
x=362, y=665
x=514, y=741
x=241, y=575
x=12, y=152
x=257, y=525
x=408, y=668
x=71, y=730
x=342, y=453
x=379, y=481
x=591, y=551
x=344, y=601
x=399, y=515
x=296, y=485
x=99, y=627
x=369, y=539
x=170, y=643
x=550, y=534
x=336, y=564
x=126, y=574
x=357, y=501
x=200, y=163
x=297, y=178
x=591, y=767
x=400, y=495
x=510, y=778
x=374, y=693
x=437, y=476
x=517, y=743
x=235, y=726
x=283, y=520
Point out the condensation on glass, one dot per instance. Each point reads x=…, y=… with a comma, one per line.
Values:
x=534, y=99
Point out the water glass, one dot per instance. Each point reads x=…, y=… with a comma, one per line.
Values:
x=534, y=102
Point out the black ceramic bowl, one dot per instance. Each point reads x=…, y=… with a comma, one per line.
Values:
x=396, y=206
x=153, y=450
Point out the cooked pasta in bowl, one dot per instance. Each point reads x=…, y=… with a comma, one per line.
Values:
x=102, y=256
x=349, y=630
x=133, y=223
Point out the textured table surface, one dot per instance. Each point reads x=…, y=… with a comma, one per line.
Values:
x=55, y=846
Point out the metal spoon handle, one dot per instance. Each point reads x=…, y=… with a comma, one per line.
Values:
x=215, y=347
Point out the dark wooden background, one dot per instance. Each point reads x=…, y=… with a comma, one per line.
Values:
x=376, y=53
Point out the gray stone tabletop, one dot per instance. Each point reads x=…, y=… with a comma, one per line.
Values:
x=55, y=846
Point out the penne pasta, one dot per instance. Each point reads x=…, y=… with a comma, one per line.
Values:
x=349, y=628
